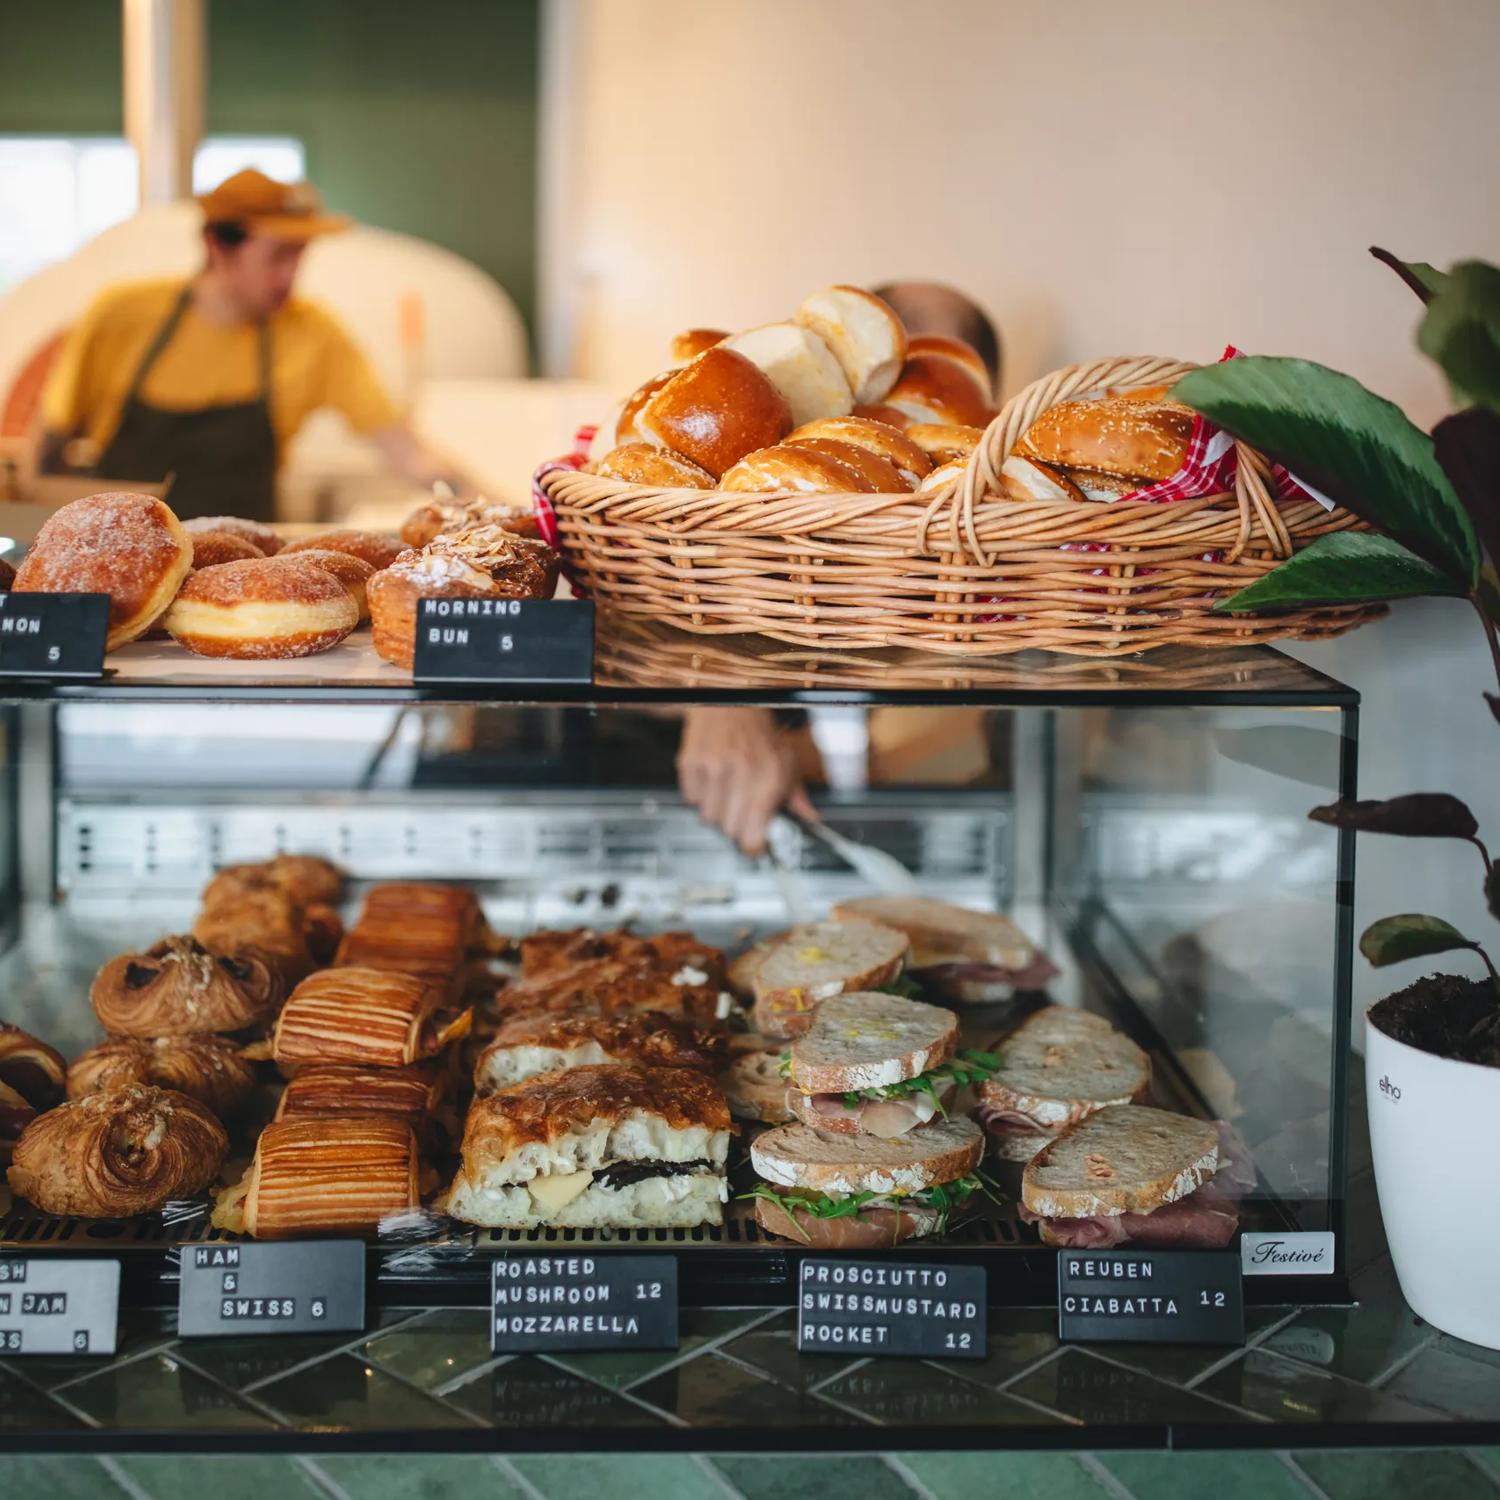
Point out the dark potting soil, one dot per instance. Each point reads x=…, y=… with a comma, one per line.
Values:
x=1453, y=1017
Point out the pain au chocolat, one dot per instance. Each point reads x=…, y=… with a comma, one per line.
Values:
x=180, y=987
x=416, y=1094
x=125, y=1151
x=324, y=1175
x=210, y=1069
x=367, y=1016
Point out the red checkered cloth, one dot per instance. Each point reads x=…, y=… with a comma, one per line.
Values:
x=1212, y=463
x=546, y=517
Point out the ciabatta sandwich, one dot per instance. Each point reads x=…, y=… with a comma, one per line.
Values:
x=856, y=1192
x=972, y=957
x=818, y=960
x=603, y=1147
x=1057, y=1068
x=1129, y=1175
x=878, y=1065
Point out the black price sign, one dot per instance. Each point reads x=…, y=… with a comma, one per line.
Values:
x=890, y=1307
x=312, y=1286
x=546, y=1302
x=504, y=640
x=53, y=635
x=50, y=1305
x=1150, y=1297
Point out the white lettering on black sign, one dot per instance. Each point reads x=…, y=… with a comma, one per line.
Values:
x=310, y=1286
x=504, y=640
x=58, y=1305
x=53, y=635
x=1191, y=1297
x=583, y=1302
x=927, y=1311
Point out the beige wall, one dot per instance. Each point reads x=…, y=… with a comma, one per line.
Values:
x=1158, y=177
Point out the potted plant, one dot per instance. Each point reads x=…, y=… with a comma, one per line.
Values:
x=1433, y=1049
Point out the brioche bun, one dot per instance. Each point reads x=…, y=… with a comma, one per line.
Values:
x=800, y=365
x=691, y=342
x=715, y=410
x=882, y=476
x=788, y=466
x=625, y=429
x=965, y=356
x=878, y=411
x=933, y=388
x=864, y=333
x=1026, y=479
x=884, y=442
x=942, y=442
x=1144, y=440
x=641, y=463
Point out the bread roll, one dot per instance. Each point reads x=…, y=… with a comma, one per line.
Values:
x=965, y=356
x=1142, y=440
x=943, y=474
x=864, y=333
x=1026, y=479
x=878, y=411
x=885, y=442
x=942, y=442
x=794, y=467
x=625, y=429
x=715, y=410
x=641, y=463
x=882, y=475
x=1094, y=485
x=691, y=342
x=935, y=389
x=800, y=365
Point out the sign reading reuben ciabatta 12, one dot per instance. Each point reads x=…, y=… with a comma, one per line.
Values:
x=1150, y=1297
x=889, y=1307
x=504, y=640
x=542, y=1302
x=53, y=635
x=310, y=1286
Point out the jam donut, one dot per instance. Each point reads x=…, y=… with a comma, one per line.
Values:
x=210, y=548
x=377, y=548
x=130, y=547
x=259, y=536
x=265, y=608
x=351, y=571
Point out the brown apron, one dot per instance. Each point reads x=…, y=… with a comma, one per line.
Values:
x=223, y=458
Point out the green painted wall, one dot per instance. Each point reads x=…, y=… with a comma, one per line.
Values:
x=417, y=117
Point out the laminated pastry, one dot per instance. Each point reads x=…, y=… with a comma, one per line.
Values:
x=264, y=609
x=377, y=549
x=210, y=548
x=327, y=1175
x=180, y=987
x=417, y=1095
x=606, y=1147
x=210, y=1069
x=542, y=1042
x=641, y=463
x=304, y=879
x=367, y=1016
x=351, y=571
x=409, y=928
x=263, y=538
x=906, y=457
x=109, y=1155
x=31, y=1081
x=442, y=517
x=7, y=576
x=863, y=333
x=262, y=921
x=714, y=411
x=130, y=547
x=550, y=950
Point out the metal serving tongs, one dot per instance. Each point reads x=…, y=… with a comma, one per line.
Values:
x=783, y=839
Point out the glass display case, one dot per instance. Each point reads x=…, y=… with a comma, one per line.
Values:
x=1144, y=820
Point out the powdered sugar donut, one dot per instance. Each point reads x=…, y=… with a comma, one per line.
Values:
x=377, y=548
x=258, y=535
x=266, y=608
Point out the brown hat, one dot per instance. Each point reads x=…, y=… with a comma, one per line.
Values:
x=288, y=210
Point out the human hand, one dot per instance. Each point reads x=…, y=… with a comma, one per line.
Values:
x=738, y=769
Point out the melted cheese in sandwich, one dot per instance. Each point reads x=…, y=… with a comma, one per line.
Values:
x=558, y=1190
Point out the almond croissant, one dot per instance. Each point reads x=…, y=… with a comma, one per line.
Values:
x=210, y=1069
x=181, y=988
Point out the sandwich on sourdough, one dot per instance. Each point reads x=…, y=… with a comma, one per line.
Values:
x=752, y=1081
x=875, y=1064
x=857, y=1192
x=956, y=954
x=1057, y=1068
x=1137, y=1176
x=818, y=960
x=602, y=1147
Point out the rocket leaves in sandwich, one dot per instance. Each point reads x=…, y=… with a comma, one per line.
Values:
x=944, y=1197
x=968, y=1066
x=903, y=986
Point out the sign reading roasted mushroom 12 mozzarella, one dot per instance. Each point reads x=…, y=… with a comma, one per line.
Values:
x=554, y=1302
x=872, y=1307
x=53, y=635
x=504, y=640
x=51, y=1304
x=1150, y=1296
x=305, y=1286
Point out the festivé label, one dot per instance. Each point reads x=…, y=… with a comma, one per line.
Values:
x=313, y=1286
x=890, y=1308
x=549, y=1302
x=504, y=640
x=1150, y=1296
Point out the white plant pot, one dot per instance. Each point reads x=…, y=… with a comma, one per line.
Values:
x=1435, y=1140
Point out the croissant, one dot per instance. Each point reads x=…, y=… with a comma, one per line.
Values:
x=15, y=1115
x=243, y=917
x=110, y=1155
x=323, y=1175
x=365, y=1016
x=209, y=1069
x=181, y=988
x=304, y=879
x=30, y=1068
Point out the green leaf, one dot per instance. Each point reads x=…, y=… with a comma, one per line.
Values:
x=1412, y=935
x=1344, y=567
x=1423, y=279
x=1346, y=441
x=1461, y=331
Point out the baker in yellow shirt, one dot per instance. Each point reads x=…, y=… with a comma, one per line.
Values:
x=209, y=380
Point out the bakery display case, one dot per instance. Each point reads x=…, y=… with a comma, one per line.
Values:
x=1142, y=821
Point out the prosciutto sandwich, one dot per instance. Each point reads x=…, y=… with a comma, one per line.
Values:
x=1058, y=1067
x=1129, y=1175
x=875, y=1064
x=815, y=962
x=860, y=1192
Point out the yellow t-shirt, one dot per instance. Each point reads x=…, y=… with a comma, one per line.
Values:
x=314, y=363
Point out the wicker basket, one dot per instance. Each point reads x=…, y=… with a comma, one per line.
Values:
x=966, y=570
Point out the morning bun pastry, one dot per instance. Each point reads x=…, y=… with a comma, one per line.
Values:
x=210, y=1069
x=210, y=548
x=441, y=517
x=130, y=547
x=378, y=548
x=642, y=463
x=264, y=609
x=351, y=571
x=865, y=335
x=884, y=442
x=180, y=987
x=794, y=466
x=691, y=342
x=933, y=388
x=800, y=365
x=942, y=442
x=261, y=537
x=1141, y=440
x=880, y=474
x=715, y=410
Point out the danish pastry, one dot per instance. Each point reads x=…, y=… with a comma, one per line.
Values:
x=377, y=548
x=130, y=547
x=367, y=1016
x=266, y=541
x=210, y=1069
x=179, y=987
x=126, y=1151
x=265, y=608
